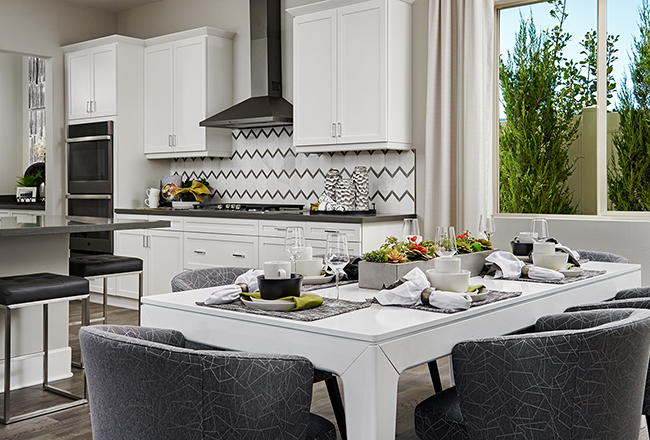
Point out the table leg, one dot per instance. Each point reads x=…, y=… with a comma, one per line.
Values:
x=370, y=396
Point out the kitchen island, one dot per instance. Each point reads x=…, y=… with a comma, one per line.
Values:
x=41, y=244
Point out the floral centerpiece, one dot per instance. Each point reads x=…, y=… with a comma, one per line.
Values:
x=403, y=256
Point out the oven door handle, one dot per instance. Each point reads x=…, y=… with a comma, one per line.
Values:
x=105, y=137
x=88, y=196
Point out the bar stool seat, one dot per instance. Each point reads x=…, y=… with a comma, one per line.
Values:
x=104, y=266
x=33, y=290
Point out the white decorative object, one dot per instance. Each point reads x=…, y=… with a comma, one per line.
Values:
x=361, y=188
x=331, y=181
x=345, y=194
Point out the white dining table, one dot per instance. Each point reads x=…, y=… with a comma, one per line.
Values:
x=371, y=347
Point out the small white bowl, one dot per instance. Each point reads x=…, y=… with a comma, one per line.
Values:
x=452, y=282
x=447, y=264
x=546, y=247
x=556, y=261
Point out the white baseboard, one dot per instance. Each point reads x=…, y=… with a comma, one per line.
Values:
x=27, y=370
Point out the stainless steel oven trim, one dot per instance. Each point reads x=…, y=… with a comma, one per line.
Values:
x=92, y=186
x=89, y=196
x=89, y=139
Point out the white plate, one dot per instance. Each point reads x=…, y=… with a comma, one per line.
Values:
x=320, y=279
x=573, y=272
x=478, y=296
x=269, y=305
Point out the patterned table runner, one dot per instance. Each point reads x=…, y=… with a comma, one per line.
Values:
x=492, y=296
x=566, y=280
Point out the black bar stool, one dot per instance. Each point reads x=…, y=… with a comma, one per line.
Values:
x=33, y=290
x=104, y=266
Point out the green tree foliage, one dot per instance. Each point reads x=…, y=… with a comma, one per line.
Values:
x=540, y=89
x=629, y=170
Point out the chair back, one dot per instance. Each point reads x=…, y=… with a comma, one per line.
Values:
x=605, y=257
x=208, y=277
x=580, y=377
x=144, y=384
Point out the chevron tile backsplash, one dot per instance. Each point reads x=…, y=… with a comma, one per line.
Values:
x=265, y=167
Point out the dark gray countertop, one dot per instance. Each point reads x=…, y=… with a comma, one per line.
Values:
x=9, y=202
x=284, y=216
x=60, y=224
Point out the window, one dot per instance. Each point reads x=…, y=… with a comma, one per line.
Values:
x=554, y=156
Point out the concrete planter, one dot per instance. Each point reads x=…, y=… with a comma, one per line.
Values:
x=376, y=275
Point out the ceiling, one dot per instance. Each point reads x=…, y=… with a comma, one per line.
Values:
x=113, y=5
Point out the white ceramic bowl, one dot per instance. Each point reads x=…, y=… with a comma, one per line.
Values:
x=453, y=282
x=309, y=268
x=546, y=247
x=556, y=261
x=447, y=264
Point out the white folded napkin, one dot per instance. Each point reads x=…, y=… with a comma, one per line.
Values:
x=574, y=254
x=542, y=273
x=230, y=292
x=509, y=265
x=408, y=293
x=450, y=300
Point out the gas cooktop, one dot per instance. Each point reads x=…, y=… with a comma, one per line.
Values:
x=250, y=207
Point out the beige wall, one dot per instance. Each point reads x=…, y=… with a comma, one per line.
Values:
x=11, y=120
x=41, y=27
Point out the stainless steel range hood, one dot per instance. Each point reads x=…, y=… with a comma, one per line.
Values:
x=266, y=107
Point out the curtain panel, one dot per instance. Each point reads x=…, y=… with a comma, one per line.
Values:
x=460, y=119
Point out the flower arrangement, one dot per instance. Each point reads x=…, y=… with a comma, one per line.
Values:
x=395, y=251
x=39, y=148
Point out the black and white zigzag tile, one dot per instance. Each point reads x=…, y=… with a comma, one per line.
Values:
x=264, y=167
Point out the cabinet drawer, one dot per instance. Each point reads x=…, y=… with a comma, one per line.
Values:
x=176, y=222
x=318, y=247
x=319, y=231
x=209, y=250
x=222, y=226
x=277, y=228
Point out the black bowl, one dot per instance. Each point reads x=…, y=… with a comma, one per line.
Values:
x=521, y=249
x=281, y=287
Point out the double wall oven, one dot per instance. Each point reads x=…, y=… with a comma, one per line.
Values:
x=90, y=182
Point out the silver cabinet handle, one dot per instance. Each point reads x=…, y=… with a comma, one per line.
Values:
x=197, y=251
x=333, y=129
x=331, y=231
x=239, y=255
x=87, y=106
x=88, y=196
x=338, y=132
x=93, y=106
x=169, y=141
x=280, y=229
x=103, y=137
x=174, y=138
x=144, y=241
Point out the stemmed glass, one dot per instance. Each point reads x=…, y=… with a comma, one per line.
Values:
x=294, y=244
x=411, y=230
x=446, y=241
x=486, y=226
x=539, y=229
x=337, y=254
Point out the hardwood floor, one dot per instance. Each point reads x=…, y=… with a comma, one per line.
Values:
x=74, y=424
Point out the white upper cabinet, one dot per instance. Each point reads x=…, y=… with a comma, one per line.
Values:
x=188, y=77
x=352, y=75
x=91, y=81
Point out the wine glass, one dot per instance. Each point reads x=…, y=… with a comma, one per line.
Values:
x=411, y=230
x=337, y=254
x=294, y=244
x=486, y=226
x=539, y=229
x=445, y=241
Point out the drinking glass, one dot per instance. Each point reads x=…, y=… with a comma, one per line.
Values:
x=445, y=241
x=337, y=254
x=411, y=230
x=539, y=229
x=486, y=226
x=294, y=244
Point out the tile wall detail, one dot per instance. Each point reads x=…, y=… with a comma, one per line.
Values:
x=265, y=168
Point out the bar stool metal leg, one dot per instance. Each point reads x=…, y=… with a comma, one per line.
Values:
x=140, y=290
x=7, y=371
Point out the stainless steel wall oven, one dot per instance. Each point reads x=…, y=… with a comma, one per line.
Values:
x=90, y=182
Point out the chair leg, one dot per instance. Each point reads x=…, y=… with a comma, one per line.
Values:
x=7, y=372
x=337, y=405
x=105, y=301
x=140, y=291
x=435, y=376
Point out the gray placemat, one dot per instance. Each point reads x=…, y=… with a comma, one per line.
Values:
x=330, y=307
x=566, y=280
x=492, y=296
x=312, y=287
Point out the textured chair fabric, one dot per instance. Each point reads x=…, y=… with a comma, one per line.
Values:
x=633, y=293
x=218, y=276
x=145, y=384
x=577, y=377
x=602, y=256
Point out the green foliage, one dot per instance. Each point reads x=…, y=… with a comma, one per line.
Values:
x=32, y=180
x=629, y=170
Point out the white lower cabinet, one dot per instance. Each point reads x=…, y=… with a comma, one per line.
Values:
x=209, y=250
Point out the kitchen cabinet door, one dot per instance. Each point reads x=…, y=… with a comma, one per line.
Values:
x=271, y=249
x=78, y=83
x=190, y=94
x=159, y=93
x=315, y=67
x=361, y=89
x=165, y=260
x=131, y=243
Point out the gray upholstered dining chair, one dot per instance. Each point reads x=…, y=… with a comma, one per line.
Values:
x=602, y=256
x=579, y=376
x=218, y=276
x=152, y=384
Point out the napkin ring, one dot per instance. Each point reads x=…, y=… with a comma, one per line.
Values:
x=426, y=294
x=524, y=271
x=244, y=287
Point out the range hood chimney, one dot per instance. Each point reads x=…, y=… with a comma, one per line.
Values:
x=266, y=107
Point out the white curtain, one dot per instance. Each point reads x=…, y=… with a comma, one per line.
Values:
x=460, y=114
